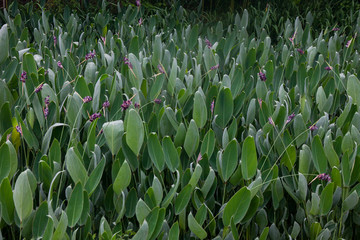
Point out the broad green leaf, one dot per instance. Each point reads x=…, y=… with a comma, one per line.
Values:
x=289, y=157
x=195, y=176
x=60, y=231
x=326, y=199
x=75, y=167
x=209, y=181
x=191, y=142
x=13, y=159
x=4, y=43
x=351, y=201
x=75, y=205
x=208, y=144
x=142, y=233
x=170, y=153
x=319, y=157
x=91, y=137
x=113, y=132
x=229, y=160
x=123, y=178
x=224, y=107
x=302, y=185
x=174, y=232
x=95, y=177
x=135, y=74
x=172, y=77
x=248, y=158
x=6, y=201
x=158, y=190
x=5, y=166
x=168, y=198
x=5, y=117
x=237, y=206
x=142, y=211
x=134, y=131
x=40, y=220
x=183, y=199
x=199, y=110
x=23, y=197
x=130, y=203
x=353, y=89
x=195, y=227
x=47, y=137
x=156, y=152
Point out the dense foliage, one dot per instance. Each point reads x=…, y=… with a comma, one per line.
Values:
x=159, y=124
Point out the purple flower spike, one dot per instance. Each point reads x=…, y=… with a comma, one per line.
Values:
x=106, y=104
x=271, y=121
x=87, y=99
x=208, y=43
x=335, y=29
x=60, y=65
x=138, y=3
x=260, y=101
x=90, y=55
x=23, y=77
x=127, y=62
x=94, y=116
x=18, y=129
x=212, y=106
x=290, y=117
x=47, y=100
x=46, y=111
x=348, y=43
x=140, y=21
x=136, y=105
x=300, y=51
x=214, y=67
x=199, y=158
x=157, y=101
x=262, y=76
x=328, y=68
x=39, y=88
x=313, y=127
x=125, y=105
x=55, y=40
x=161, y=69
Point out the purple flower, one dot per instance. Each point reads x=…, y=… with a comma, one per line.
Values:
x=46, y=111
x=140, y=21
x=60, y=65
x=313, y=127
x=208, y=43
x=324, y=176
x=55, y=40
x=127, y=62
x=214, y=67
x=94, y=116
x=328, y=68
x=101, y=131
x=90, y=55
x=271, y=121
x=300, y=51
x=348, y=43
x=157, y=101
x=87, y=99
x=39, y=88
x=335, y=29
x=212, y=106
x=47, y=100
x=136, y=105
x=106, y=104
x=262, y=76
x=125, y=105
x=290, y=117
x=23, y=77
x=18, y=129
x=292, y=38
x=260, y=102
x=103, y=39
x=161, y=69
x=138, y=3
x=199, y=158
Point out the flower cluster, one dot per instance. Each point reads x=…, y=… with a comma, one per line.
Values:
x=262, y=76
x=60, y=65
x=300, y=51
x=46, y=109
x=313, y=127
x=214, y=67
x=348, y=43
x=199, y=158
x=157, y=101
x=55, y=40
x=335, y=29
x=161, y=69
x=290, y=117
x=260, y=101
x=140, y=21
x=125, y=105
x=19, y=130
x=271, y=121
x=47, y=100
x=324, y=176
x=212, y=106
x=127, y=62
x=292, y=38
x=136, y=105
x=106, y=104
x=87, y=99
x=328, y=68
x=208, y=43
x=90, y=55
x=138, y=3
x=23, y=77
x=39, y=88
x=94, y=116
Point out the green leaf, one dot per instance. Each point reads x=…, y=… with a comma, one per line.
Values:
x=134, y=131
x=5, y=117
x=47, y=137
x=208, y=144
x=113, y=132
x=172, y=77
x=224, y=107
x=209, y=181
x=174, y=232
x=171, y=155
x=95, y=177
x=289, y=157
x=183, y=199
x=195, y=227
x=158, y=190
x=351, y=201
x=191, y=142
x=13, y=159
x=6, y=201
x=4, y=161
x=123, y=178
x=237, y=206
x=40, y=220
x=353, y=88
x=61, y=227
x=142, y=233
x=75, y=205
x=135, y=74
x=168, y=198
x=319, y=157
x=200, y=110
x=23, y=197
x=326, y=199
x=91, y=137
x=195, y=176
x=130, y=203
x=248, y=158
x=156, y=152
x=229, y=160
x=142, y=211
x=4, y=43
x=75, y=167
x=302, y=186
